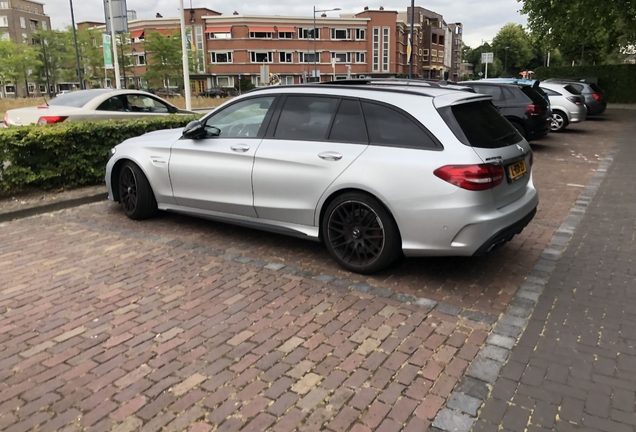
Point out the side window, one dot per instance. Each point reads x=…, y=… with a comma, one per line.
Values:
x=550, y=92
x=579, y=87
x=141, y=103
x=112, y=104
x=389, y=127
x=240, y=120
x=508, y=93
x=306, y=118
x=494, y=91
x=349, y=126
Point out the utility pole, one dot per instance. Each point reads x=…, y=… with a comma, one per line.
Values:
x=410, y=48
x=114, y=44
x=123, y=59
x=186, y=70
x=79, y=67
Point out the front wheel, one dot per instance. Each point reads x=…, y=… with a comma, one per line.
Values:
x=360, y=234
x=135, y=193
x=559, y=121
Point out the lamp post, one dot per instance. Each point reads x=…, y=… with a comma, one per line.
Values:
x=314, y=33
x=134, y=66
x=123, y=60
x=506, y=63
x=79, y=68
x=186, y=70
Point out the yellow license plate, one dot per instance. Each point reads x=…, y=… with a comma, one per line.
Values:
x=517, y=170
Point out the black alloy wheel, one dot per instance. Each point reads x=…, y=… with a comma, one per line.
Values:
x=360, y=233
x=135, y=193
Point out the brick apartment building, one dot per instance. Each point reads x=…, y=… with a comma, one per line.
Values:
x=18, y=20
x=372, y=43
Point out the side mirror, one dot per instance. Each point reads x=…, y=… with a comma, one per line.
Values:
x=194, y=130
x=172, y=109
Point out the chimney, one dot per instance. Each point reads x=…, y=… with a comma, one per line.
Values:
x=235, y=13
x=158, y=15
x=366, y=8
x=381, y=7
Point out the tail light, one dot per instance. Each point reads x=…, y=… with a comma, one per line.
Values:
x=51, y=119
x=472, y=177
x=597, y=96
x=574, y=99
x=533, y=109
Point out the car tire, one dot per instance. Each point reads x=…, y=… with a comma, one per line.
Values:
x=559, y=121
x=360, y=233
x=135, y=193
x=520, y=129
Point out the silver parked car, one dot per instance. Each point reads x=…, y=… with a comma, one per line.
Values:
x=568, y=105
x=372, y=170
x=94, y=104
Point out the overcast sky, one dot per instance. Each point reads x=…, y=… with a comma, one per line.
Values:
x=482, y=19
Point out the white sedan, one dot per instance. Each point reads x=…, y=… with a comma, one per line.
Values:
x=95, y=104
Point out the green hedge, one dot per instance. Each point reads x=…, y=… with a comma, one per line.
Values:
x=618, y=81
x=67, y=154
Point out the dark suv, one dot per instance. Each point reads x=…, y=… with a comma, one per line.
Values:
x=522, y=105
x=594, y=95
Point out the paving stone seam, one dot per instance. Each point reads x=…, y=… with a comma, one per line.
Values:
x=426, y=303
x=461, y=409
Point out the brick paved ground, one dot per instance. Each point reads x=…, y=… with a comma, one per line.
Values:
x=574, y=367
x=108, y=324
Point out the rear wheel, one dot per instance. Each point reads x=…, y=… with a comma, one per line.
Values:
x=559, y=121
x=360, y=234
x=135, y=193
x=520, y=129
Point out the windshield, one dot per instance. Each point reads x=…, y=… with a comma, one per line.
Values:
x=75, y=99
x=479, y=124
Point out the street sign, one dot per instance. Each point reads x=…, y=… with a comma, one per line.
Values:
x=120, y=16
x=480, y=74
x=108, y=53
x=487, y=57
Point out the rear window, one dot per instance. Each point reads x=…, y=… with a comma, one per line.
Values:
x=534, y=95
x=75, y=99
x=596, y=88
x=571, y=89
x=479, y=124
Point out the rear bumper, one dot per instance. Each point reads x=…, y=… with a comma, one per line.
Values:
x=539, y=128
x=506, y=234
x=596, y=107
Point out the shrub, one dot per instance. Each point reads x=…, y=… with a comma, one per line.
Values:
x=618, y=81
x=68, y=154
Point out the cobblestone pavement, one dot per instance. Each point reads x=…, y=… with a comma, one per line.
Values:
x=183, y=324
x=574, y=367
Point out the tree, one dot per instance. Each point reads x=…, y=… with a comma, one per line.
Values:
x=585, y=30
x=514, y=48
x=164, y=59
x=19, y=62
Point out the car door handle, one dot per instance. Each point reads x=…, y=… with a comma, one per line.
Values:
x=330, y=156
x=240, y=148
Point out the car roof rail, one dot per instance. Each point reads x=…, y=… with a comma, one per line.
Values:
x=382, y=81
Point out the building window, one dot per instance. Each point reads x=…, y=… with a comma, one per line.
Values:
x=35, y=10
x=42, y=88
x=307, y=33
x=341, y=57
x=221, y=57
x=256, y=80
x=361, y=34
x=34, y=24
x=376, y=49
x=141, y=60
x=4, y=36
x=360, y=57
x=31, y=87
x=261, y=57
x=22, y=22
x=200, y=54
x=308, y=57
x=4, y=5
x=227, y=35
x=441, y=40
x=285, y=57
x=225, y=81
x=260, y=35
x=433, y=53
x=434, y=38
x=285, y=35
x=385, y=48
x=25, y=37
x=289, y=80
x=340, y=34
x=9, y=88
x=440, y=56
x=28, y=8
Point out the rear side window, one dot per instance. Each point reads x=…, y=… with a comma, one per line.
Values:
x=579, y=87
x=572, y=89
x=306, y=118
x=479, y=124
x=349, y=126
x=550, y=92
x=596, y=88
x=389, y=127
x=494, y=91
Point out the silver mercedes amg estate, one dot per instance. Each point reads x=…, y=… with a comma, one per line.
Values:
x=372, y=168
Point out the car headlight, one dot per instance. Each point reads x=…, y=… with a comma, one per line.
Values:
x=112, y=152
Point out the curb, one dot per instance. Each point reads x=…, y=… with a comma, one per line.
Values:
x=46, y=208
